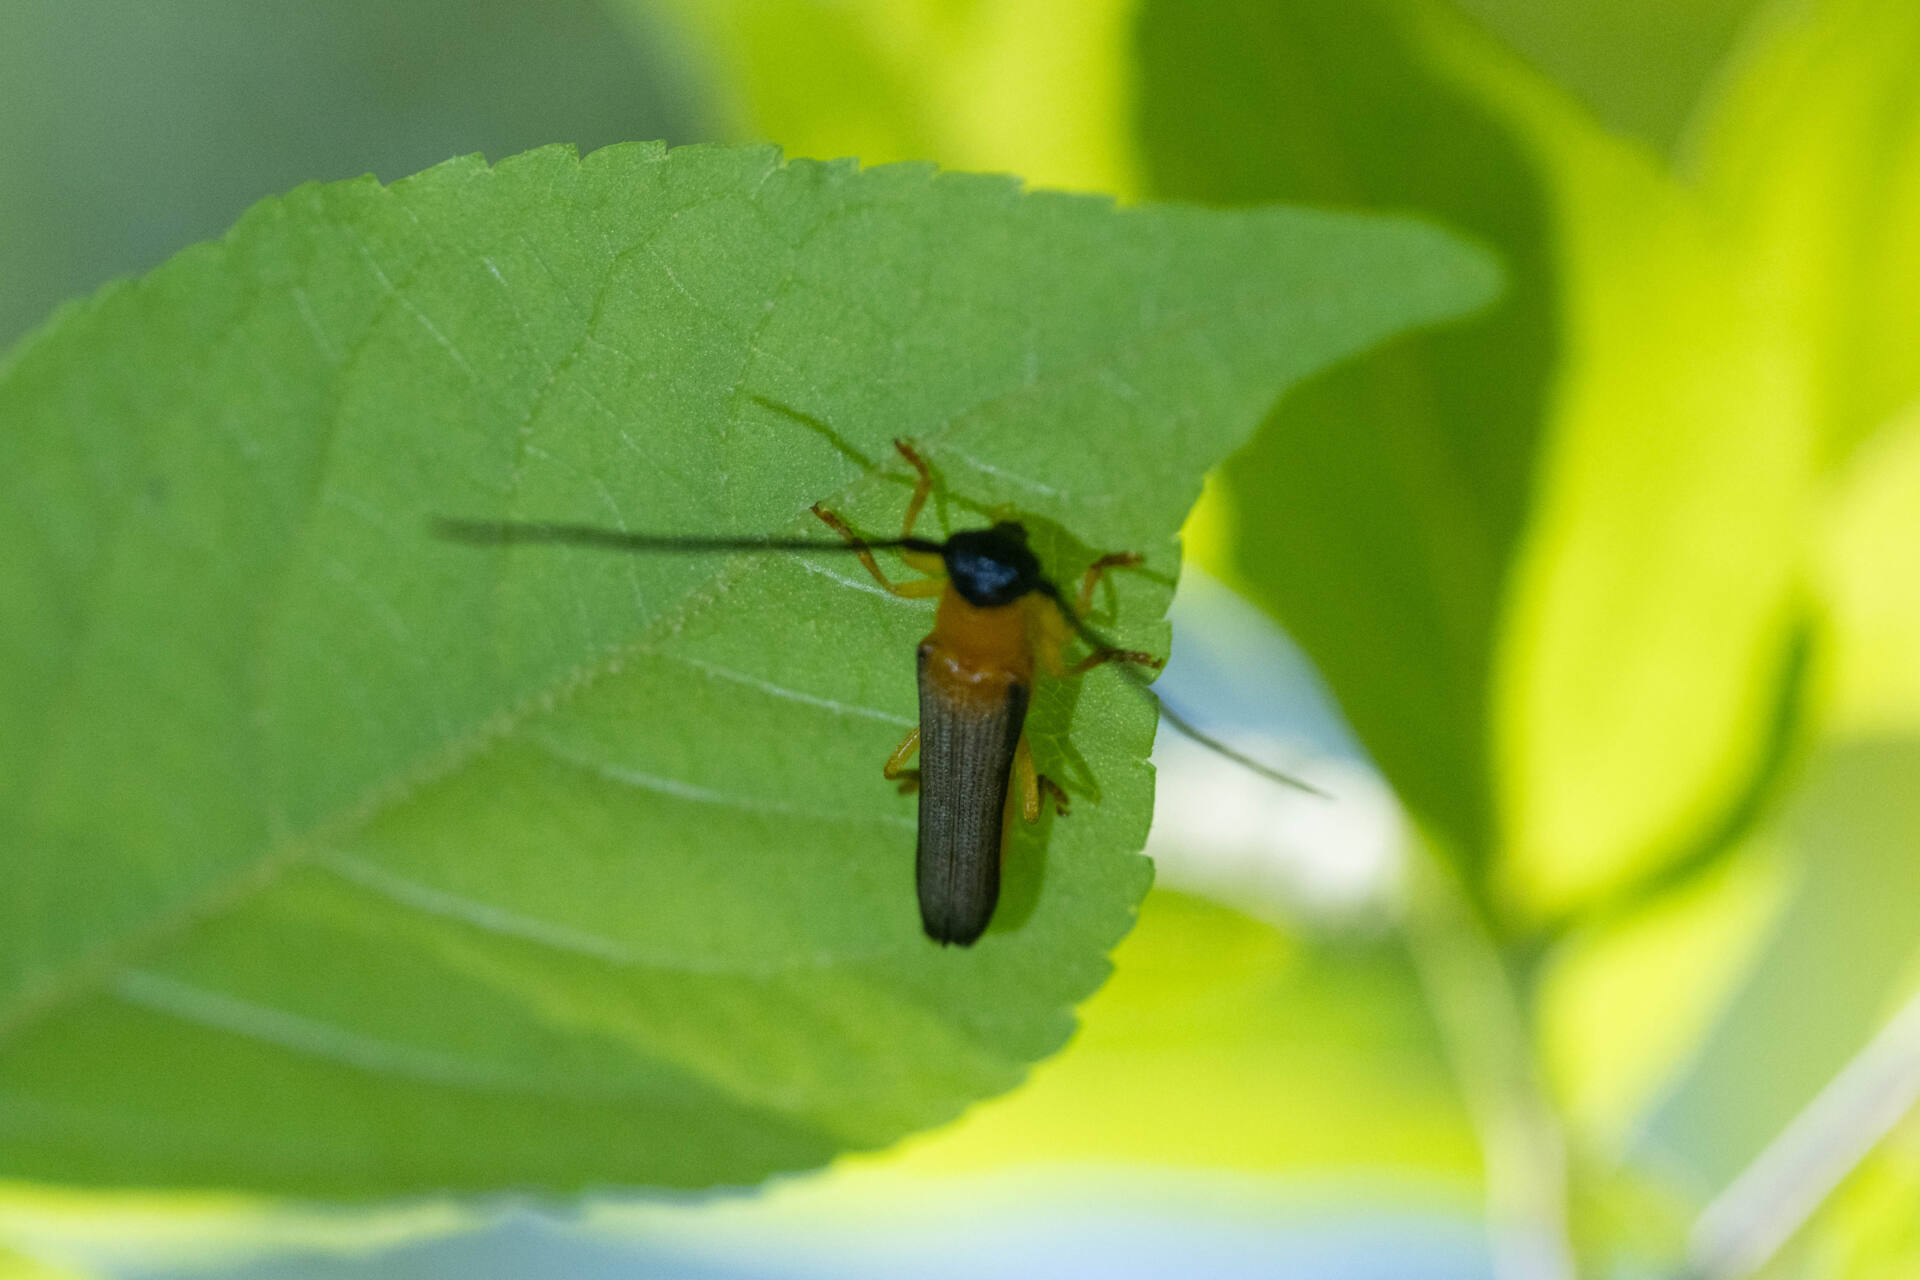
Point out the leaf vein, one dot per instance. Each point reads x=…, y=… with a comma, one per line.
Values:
x=308, y=1037
x=780, y=691
x=694, y=793
x=500, y=922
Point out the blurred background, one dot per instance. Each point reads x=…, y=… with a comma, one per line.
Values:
x=1600, y=614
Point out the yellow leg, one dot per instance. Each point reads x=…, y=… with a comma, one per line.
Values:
x=1098, y=569
x=927, y=562
x=1032, y=784
x=896, y=763
x=920, y=489
x=919, y=589
x=895, y=770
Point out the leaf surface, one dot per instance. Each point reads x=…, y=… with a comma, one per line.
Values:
x=346, y=861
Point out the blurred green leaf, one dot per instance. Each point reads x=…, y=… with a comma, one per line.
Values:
x=122, y=1232
x=1870, y=572
x=1639, y=65
x=1716, y=370
x=1813, y=153
x=129, y=132
x=1653, y=634
x=350, y=862
x=1038, y=90
x=1377, y=512
x=1544, y=618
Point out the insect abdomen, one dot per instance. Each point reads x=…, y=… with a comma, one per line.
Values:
x=970, y=724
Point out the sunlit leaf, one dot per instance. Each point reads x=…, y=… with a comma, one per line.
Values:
x=1038, y=90
x=1812, y=157
x=345, y=860
x=1733, y=335
x=1653, y=619
x=115, y=1233
x=1870, y=569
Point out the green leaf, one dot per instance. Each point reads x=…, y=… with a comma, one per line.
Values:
x=1639, y=65
x=1815, y=153
x=121, y=141
x=1376, y=513
x=345, y=861
x=1870, y=570
x=1038, y=90
x=1734, y=337
x=111, y=1233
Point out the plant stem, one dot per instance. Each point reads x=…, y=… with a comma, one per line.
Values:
x=1487, y=1038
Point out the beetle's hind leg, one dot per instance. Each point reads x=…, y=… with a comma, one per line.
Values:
x=1057, y=792
x=895, y=770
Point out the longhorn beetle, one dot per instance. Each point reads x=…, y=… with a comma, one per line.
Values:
x=999, y=617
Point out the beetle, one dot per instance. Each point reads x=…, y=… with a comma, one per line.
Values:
x=999, y=621
x=998, y=617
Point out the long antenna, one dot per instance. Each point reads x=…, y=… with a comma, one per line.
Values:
x=510, y=533
x=1180, y=723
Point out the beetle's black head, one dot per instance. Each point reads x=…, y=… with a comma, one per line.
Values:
x=991, y=567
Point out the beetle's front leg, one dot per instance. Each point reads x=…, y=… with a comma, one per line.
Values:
x=917, y=589
x=1098, y=569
